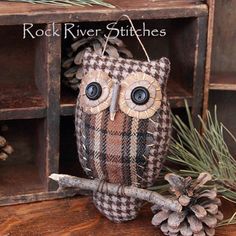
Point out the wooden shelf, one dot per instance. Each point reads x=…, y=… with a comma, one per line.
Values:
x=23, y=172
x=175, y=91
x=68, y=100
x=223, y=81
x=20, y=179
x=20, y=85
x=220, y=89
x=15, y=13
x=21, y=103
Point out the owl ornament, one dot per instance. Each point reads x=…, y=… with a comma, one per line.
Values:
x=123, y=127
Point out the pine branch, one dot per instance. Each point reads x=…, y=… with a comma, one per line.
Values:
x=208, y=152
x=66, y=181
x=78, y=3
x=195, y=153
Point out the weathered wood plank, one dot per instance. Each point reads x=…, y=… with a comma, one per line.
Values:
x=223, y=81
x=53, y=97
x=211, y=4
x=36, y=197
x=70, y=217
x=199, y=72
x=13, y=13
x=22, y=113
x=224, y=48
x=78, y=216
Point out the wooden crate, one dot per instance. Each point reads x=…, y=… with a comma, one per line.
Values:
x=220, y=84
x=32, y=95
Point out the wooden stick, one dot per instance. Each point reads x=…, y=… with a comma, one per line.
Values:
x=67, y=181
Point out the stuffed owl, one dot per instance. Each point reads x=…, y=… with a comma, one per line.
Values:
x=123, y=127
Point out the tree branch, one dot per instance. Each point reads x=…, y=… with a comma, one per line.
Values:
x=67, y=181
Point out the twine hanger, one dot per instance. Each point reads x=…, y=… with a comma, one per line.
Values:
x=135, y=32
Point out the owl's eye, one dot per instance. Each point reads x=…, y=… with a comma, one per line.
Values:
x=93, y=91
x=140, y=95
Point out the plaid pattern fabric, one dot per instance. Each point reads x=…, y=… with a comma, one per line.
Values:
x=113, y=150
x=128, y=151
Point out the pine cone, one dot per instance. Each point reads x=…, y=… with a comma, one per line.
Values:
x=72, y=64
x=200, y=212
x=5, y=149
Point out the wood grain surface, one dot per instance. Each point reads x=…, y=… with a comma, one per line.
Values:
x=78, y=217
x=223, y=81
x=18, y=13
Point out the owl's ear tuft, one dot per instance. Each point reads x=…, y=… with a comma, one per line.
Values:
x=90, y=60
x=163, y=66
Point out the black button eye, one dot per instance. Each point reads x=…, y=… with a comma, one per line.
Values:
x=93, y=91
x=140, y=95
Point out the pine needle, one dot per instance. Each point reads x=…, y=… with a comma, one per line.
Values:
x=79, y=3
x=230, y=221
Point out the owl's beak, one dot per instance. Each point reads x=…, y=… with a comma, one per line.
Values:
x=112, y=116
x=114, y=100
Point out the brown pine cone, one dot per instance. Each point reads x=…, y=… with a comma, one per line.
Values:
x=200, y=213
x=5, y=149
x=72, y=64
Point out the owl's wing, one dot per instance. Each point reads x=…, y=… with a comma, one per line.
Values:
x=159, y=129
x=81, y=139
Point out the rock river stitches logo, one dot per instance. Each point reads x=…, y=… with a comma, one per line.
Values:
x=75, y=31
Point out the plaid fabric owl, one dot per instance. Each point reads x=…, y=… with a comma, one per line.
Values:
x=126, y=145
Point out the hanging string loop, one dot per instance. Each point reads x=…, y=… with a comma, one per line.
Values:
x=135, y=32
